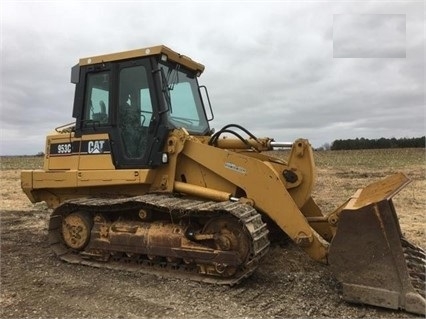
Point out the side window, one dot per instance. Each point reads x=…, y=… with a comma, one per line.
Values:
x=97, y=99
x=134, y=110
x=183, y=104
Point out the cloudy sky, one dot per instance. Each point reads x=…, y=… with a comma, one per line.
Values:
x=321, y=70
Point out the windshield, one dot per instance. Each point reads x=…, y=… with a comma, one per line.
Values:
x=186, y=108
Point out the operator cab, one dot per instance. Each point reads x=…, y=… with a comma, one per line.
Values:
x=137, y=97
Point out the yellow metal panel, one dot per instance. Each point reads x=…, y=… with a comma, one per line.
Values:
x=27, y=179
x=27, y=184
x=121, y=55
x=63, y=162
x=114, y=177
x=59, y=179
x=155, y=50
x=96, y=162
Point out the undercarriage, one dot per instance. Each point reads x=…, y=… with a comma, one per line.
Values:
x=216, y=242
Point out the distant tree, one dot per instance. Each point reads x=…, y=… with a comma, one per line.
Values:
x=363, y=143
x=40, y=154
x=339, y=145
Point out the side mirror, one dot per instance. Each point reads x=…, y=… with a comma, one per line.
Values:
x=205, y=97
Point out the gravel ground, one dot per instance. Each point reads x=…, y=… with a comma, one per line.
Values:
x=35, y=284
x=288, y=284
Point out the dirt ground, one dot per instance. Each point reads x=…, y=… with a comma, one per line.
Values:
x=35, y=284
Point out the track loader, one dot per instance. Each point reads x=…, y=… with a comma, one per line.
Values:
x=141, y=182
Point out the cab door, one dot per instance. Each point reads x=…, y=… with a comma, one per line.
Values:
x=137, y=135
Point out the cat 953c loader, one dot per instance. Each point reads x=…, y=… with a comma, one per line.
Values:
x=141, y=181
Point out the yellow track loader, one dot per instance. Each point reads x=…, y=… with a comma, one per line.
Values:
x=140, y=181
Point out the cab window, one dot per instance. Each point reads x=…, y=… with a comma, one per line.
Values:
x=97, y=97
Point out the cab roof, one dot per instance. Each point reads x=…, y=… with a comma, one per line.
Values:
x=144, y=52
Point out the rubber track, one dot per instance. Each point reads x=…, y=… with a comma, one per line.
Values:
x=177, y=208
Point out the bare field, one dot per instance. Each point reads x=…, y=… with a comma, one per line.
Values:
x=34, y=284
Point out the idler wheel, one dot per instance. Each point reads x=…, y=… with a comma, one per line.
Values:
x=76, y=229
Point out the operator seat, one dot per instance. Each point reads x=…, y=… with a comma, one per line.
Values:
x=102, y=116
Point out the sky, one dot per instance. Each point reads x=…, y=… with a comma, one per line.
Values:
x=321, y=70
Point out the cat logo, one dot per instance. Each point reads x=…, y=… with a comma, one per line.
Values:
x=95, y=147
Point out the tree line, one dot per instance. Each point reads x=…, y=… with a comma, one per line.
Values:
x=365, y=143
